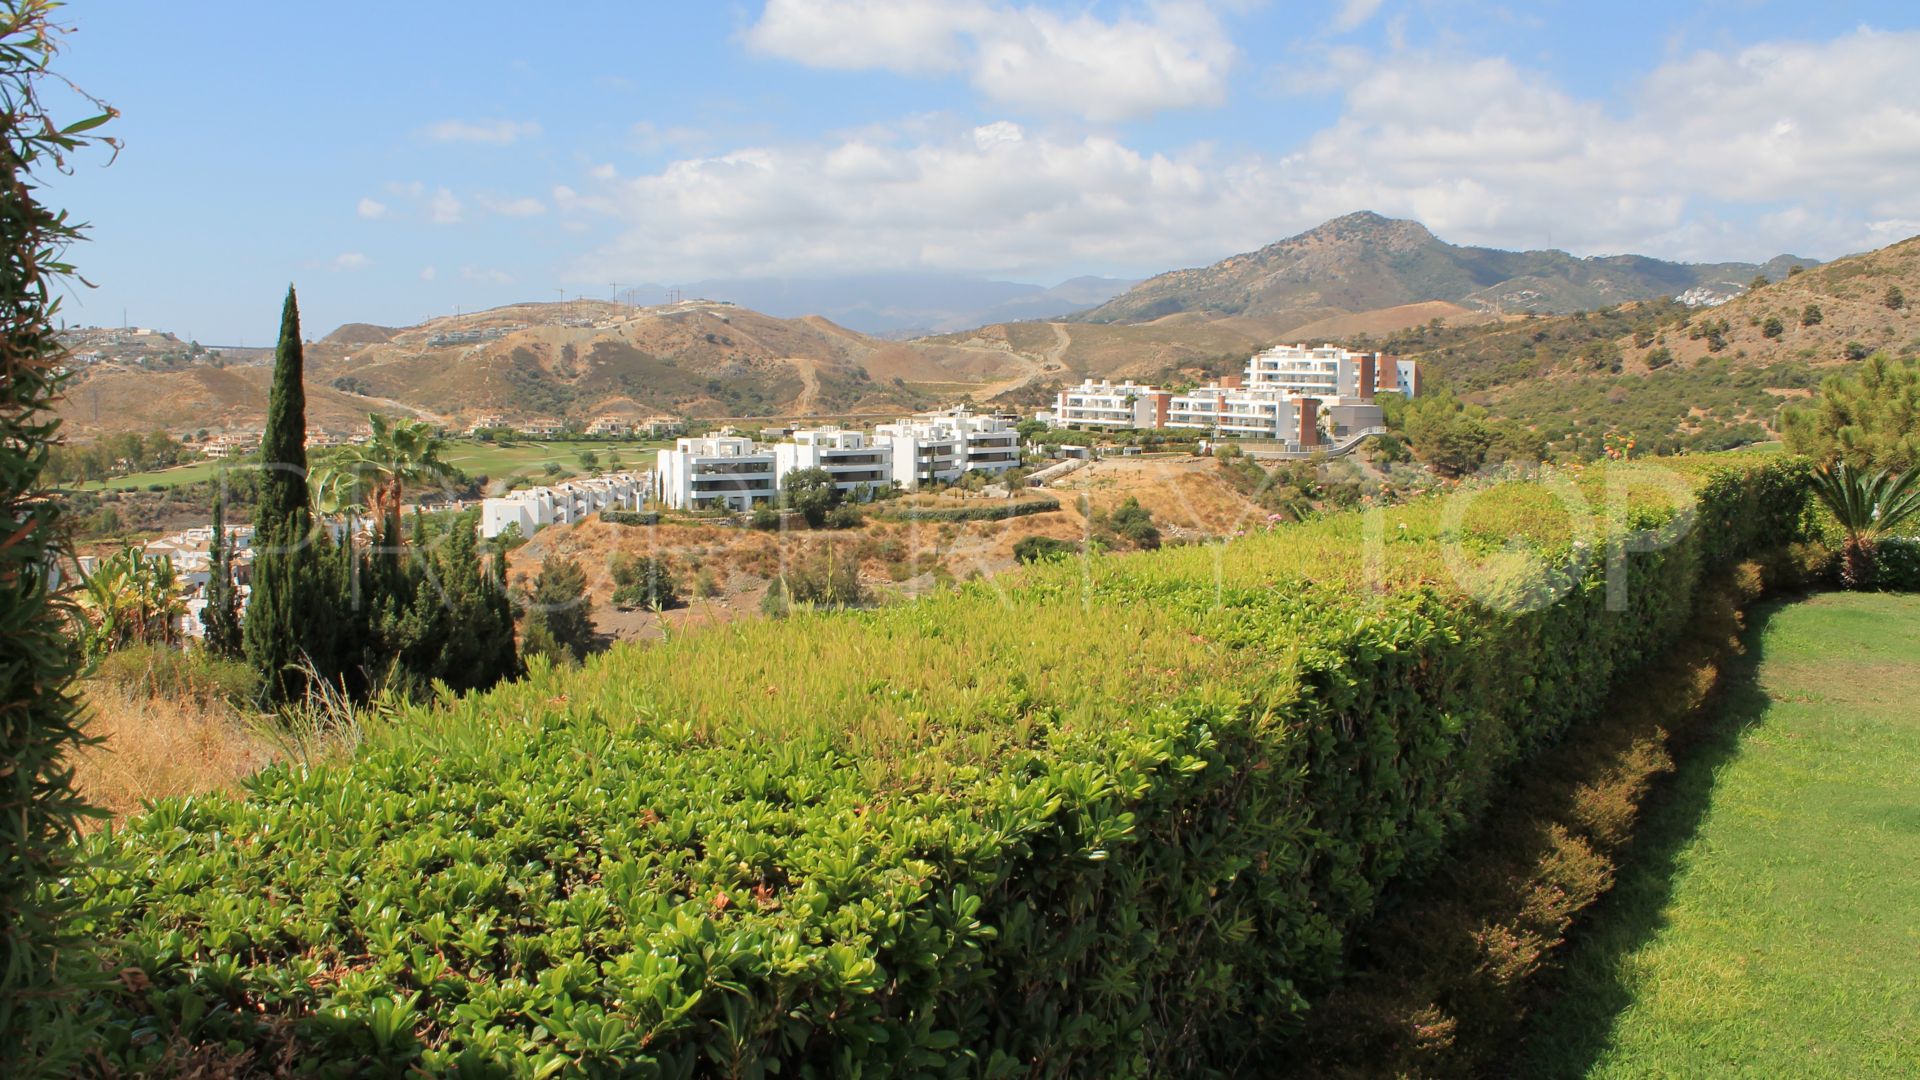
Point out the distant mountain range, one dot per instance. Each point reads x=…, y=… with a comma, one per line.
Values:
x=1365, y=262
x=829, y=348
x=907, y=305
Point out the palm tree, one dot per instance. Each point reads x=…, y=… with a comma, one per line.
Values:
x=400, y=452
x=339, y=489
x=1867, y=508
x=129, y=599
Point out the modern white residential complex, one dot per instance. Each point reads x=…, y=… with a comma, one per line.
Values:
x=854, y=458
x=1112, y=405
x=1331, y=371
x=1291, y=393
x=561, y=504
x=942, y=447
x=929, y=448
x=710, y=470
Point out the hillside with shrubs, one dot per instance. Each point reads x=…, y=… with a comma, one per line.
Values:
x=1678, y=378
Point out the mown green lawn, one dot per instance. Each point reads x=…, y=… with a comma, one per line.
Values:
x=497, y=461
x=190, y=473
x=1768, y=923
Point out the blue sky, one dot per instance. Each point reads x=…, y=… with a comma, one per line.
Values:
x=398, y=161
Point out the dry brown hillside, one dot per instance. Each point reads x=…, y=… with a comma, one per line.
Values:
x=1850, y=295
x=214, y=399
x=578, y=359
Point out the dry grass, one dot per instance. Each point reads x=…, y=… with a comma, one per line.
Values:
x=1187, y=496
x=159, y=745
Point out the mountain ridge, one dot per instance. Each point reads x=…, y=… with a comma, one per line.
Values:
x=1365, y=261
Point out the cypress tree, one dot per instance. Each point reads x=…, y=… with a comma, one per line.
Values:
x=283, y=445
x=292, y=594
x=221, y=616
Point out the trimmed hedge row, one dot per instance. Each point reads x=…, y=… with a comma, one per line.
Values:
x=630, y=517
x=1117, y=819
x=1897, y=564
x=999, y=511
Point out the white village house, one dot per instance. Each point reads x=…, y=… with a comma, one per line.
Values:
x=561, y=504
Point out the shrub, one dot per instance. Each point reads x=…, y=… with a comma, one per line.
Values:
x=844, y=516
x=811, y=493
x=994, y=511
x=1132, y=839
x=830, y=579
x=629, y=517
x=1131, y=523
x=1036, y=548
x=1660, y=358
x=1772, y=327
x=764, y=518
x=643, y=581
x=164, y=671
x=40, y=955
x=1811, y=315
x=559, y=625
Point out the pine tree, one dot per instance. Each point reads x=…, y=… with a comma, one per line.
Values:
x=221, y=616
x=558, y=621
x=289, y=624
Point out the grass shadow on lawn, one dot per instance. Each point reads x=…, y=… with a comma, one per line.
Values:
x=1572, y=1028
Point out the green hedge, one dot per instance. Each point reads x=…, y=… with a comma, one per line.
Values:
x=1116, y=818
x=1897, y=564
x=996, y=511
x=630, y=517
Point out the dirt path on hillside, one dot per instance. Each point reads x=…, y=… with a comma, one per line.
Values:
x=1054, y=355
x=808, y=400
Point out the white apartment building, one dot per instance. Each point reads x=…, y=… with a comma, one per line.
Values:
x=1292, y=393
x=853, y=458
x=713, y=470
x=1106, y=404
x=561, y=504
x=1330, y=371
x=943, y=447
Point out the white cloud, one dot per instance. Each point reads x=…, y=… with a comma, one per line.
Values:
x=1025, y=56
x=487, y=132
x=428, y=273
x=908, y=36
x=444, y=208
x=990, y=197
x=370, y=209
x=1800, y=147
x=486, y=275
x=1494, y=153
x=1353, y=14
x=525, y=206
x=351, y=260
